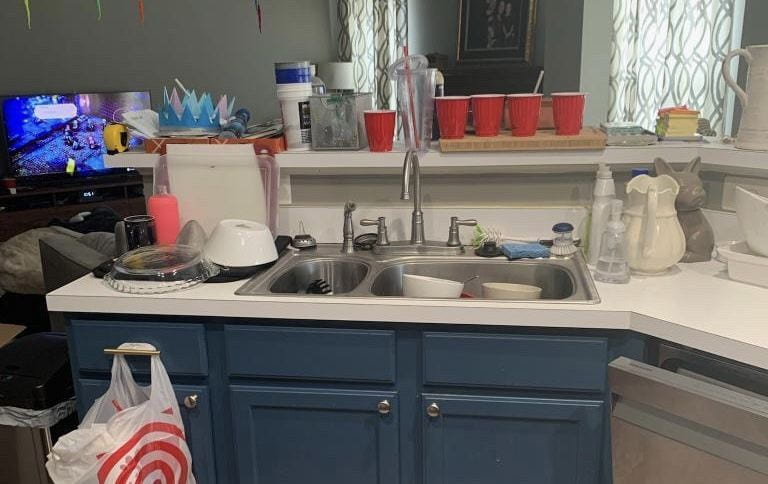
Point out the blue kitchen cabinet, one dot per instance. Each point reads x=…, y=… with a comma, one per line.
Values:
x=323, y=436
x=500, y=440
x=197, y=421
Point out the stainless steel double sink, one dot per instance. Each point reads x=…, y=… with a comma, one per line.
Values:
x=364, y=274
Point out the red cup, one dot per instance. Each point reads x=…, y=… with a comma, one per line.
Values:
x=452, y=112
x=524, y=112
x=487, y=110
x=380, y=129
x=568, y=112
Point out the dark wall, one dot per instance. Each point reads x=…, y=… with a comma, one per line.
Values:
x=211, y=45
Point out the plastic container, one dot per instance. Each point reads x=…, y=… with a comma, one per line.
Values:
x=568, y=112
x=297, y=119
x=270, y=177
x=487, y=114
x=293, y=72
x=604, y=193
x=524, y=111
x=415, y=100
x=338, y=122
x=452, y=112
x=612, y=265
x=164, y=206
x=744, y=265
x=318, y=86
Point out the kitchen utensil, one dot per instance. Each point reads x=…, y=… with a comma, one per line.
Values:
x=430, y=287
x=452, y=113
x=159, y=269
x=320, y=286
x=744, y=265
x=380, y=128
x=753, y=130
x=241, y=243
x=511, y=292
x=568, y=112
x=563, y=244
x=217, y=182
x=303, y=240
x=654, y=239
x=524, y=110
x=487, y=112
x=752, y=212
x=140, y=231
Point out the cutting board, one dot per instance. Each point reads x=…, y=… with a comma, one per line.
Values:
x=589, y=139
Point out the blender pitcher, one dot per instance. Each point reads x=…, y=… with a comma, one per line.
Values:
x=415, y=100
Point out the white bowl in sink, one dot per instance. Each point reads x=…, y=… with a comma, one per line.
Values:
x=431, y=287
x=752, y=212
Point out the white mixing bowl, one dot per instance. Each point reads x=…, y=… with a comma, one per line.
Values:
x=431, y=287
x=240, y=243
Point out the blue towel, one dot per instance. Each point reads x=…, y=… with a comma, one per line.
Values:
x=524, y=251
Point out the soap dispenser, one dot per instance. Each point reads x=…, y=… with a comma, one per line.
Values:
x=604, y=193
x=612, y=265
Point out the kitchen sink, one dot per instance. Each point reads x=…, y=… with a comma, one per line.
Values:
x=365, y=274
x=342, y=275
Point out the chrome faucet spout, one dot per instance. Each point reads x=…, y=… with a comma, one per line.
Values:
x=405, y=193
x=412, y=169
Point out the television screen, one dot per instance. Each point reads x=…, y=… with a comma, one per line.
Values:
x=61, y=134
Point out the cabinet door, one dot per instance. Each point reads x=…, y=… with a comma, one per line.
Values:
x=502, y=440
x=302, y=435
x=197, y=422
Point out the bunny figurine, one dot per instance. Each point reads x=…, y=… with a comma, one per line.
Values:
x=699, y=238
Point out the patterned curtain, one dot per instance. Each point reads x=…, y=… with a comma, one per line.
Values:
x=371, y=33
x=669, y=52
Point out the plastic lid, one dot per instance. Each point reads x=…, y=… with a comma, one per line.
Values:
x=292, y=65
x=640, y=171
x=416, y=62
x=562, y=228
x=159, y=268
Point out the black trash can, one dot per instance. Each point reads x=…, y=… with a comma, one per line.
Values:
x=37, y=404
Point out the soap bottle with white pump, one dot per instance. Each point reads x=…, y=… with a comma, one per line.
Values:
x=604, y=193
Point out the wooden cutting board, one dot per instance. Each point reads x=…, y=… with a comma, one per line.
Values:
x=589, y=139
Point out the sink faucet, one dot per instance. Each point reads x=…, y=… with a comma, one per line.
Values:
x=411, y=168
x=348, y=244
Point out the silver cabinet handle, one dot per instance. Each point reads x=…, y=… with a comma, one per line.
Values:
x=190, y=401
x=433, y=410
x=384, y=407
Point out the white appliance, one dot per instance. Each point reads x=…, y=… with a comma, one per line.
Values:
x=691, y=419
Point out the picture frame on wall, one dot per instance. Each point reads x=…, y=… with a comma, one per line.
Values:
x=496, y=30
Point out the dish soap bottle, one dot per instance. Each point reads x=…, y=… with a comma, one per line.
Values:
x=164, y=206
x=612, y=265
x=604, y=193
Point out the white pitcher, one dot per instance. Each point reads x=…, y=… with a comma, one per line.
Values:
x=655, y=240
x=753, y=130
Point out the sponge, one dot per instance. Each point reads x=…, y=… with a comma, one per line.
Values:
x=524, y=251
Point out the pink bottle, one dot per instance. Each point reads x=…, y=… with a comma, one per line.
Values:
x=164, y=206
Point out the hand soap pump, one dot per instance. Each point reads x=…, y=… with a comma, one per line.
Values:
x=612, y=265
x=604, y=193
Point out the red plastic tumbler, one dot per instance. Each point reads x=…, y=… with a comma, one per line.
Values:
x=380, y=129
x=452, y=112
x=524, y=112
x=568, y=112
x=487, y=110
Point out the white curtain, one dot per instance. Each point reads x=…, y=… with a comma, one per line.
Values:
x=371, y=32
x=669, y=52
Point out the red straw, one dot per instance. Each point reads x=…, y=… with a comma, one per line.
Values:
x=409, y=83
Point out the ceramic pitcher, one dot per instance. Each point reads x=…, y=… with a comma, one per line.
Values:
x=753, y=130
x=655, y=239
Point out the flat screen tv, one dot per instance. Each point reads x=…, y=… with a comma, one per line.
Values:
x=59, y=136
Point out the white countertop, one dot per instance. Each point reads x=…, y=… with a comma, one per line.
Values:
x=695, y=305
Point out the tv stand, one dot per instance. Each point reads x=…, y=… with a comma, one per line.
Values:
x=31, y=209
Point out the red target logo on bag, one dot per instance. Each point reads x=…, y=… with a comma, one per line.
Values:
x=156, y=453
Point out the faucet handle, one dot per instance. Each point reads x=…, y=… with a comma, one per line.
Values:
x=453, y=231
x=381, y=233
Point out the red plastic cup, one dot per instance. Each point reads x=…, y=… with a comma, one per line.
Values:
x=524, y=112
x=487, y=110
x=452, y=112
x=380, y=129
x=568, y=112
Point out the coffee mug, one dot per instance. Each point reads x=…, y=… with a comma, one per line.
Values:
x=140, y=231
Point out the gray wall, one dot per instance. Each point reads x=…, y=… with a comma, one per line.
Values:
x=557, y=46
x=68, y=49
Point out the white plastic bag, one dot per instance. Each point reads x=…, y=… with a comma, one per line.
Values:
x=130, y=434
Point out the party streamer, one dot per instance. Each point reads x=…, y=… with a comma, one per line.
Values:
x=29, y=14
x=98, y=6
x=141, y=10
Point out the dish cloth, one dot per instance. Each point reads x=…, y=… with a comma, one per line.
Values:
x=524, y=251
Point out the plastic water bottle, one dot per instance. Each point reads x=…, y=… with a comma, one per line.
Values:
x=604, y=192
x=612, y=265
x=237, y=125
